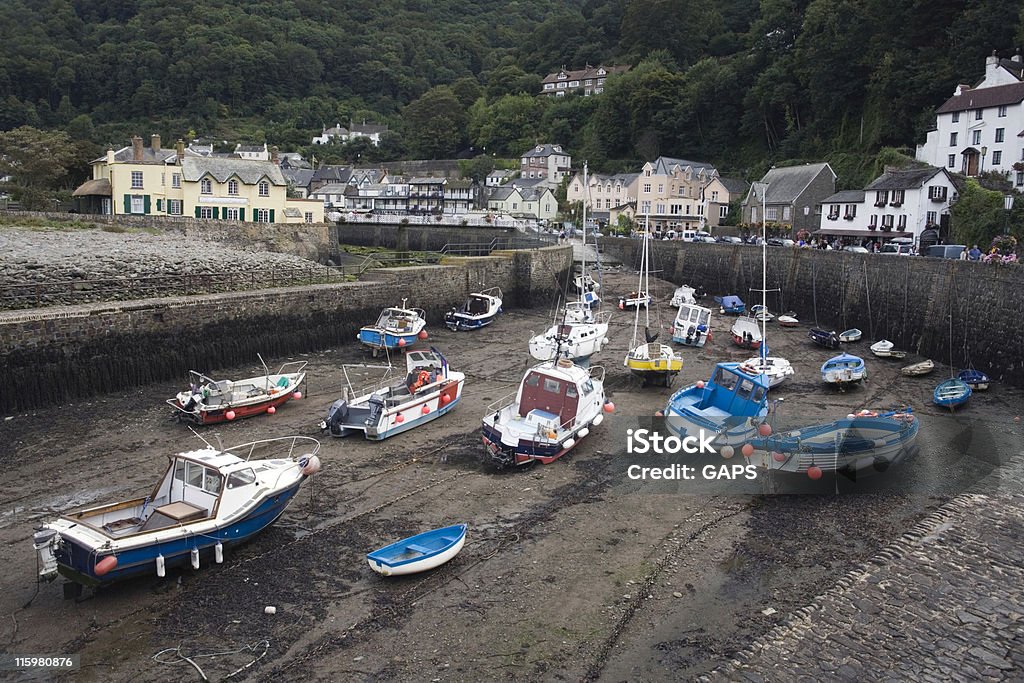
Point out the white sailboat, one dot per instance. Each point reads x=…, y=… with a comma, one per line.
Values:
x=579, y=332
x=650, y=360
x=775, y=368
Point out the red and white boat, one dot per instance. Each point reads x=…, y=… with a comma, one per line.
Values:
x=208, y=401
x=555, y=407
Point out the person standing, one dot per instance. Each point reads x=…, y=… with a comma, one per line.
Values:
x=974, y=254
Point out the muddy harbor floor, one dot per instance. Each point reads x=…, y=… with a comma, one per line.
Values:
x=571, y=571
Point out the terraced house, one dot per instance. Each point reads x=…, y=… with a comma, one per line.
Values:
x=153, y=181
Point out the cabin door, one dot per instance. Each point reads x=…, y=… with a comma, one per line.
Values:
x=569, y=406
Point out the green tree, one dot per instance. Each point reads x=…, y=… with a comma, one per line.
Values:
x=37, y=161
x=435, y=124
x=978, y=215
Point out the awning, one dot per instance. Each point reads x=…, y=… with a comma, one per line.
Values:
x=839, y=232
x=89, y=188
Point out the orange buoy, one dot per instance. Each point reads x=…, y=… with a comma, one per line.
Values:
x=446, y=399
x=609, y=407
x=271, y=410
x=423, y=334
x=778, y=457
x=401, y=342
x=425, y=409
x=747, y=450
x=765, y=430
x=230, y=415
x=399, y=419
x=297, y=395
x=105, y=565
x=814, y=472
x=700, y=385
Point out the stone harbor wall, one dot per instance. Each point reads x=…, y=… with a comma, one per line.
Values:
x=62, y=353
x=425, y=237
x=926, y=306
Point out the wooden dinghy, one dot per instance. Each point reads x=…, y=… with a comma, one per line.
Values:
x=418, y=553
x=918, y=369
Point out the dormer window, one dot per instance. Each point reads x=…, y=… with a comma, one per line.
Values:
x=205, y=186
x=562, y=76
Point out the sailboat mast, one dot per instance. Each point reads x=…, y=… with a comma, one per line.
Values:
x=645, y=276
x=583, y=258
x=764, y=271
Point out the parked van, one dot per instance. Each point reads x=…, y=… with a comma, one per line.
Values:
x=687, y=235
x=901, y=246
x=946, y=250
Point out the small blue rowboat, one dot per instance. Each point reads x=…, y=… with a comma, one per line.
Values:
x=976, y=379
x=418, y=553
x=952, y=393
x=731, y=304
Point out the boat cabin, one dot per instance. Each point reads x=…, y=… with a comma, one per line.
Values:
x=398, y=319
x=733, y=392
x=549, y=396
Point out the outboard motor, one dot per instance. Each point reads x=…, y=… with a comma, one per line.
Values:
x=336, y=415
x=376, y=408
x=44, y=541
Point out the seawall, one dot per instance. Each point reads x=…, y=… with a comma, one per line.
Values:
x=911, y=301
x=62, y=353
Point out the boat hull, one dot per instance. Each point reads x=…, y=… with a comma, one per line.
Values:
x=418, y=553
x=217, y=415
x=457, y=322
x=544, y=451
x=952, y=393
x=78, y=562
x=376, y=338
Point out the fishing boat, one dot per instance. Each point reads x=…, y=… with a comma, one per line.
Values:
x=976, y=379
x=209, y=401
x=843, y=369
x=789, y=320
x=952, y=393
x=730, y=304
x=396, y=328
x=683, y=295
x=918, y=369
x=849, y=336
x=650, y=360
x=775, y=368
x=635, y=299
x=480, y=310
x=692, y=325
x=825, y=338
x=731, y=405
x=746, y=333
x=886, y=349
x=575, y=341
x=555, y=407
x=428, y=390
x=760, y=312
x=418, y=553
x=206, y=500
x=864, y=442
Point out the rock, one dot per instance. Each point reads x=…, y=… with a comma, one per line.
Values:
x=677, y=594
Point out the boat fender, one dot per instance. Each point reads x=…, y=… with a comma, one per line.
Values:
x=598, y=420
x=195, y=558
x=309, y=465
x=569, y=443
x=582, y=433
x=105, y=565
x=218, y=552
x=161, y=566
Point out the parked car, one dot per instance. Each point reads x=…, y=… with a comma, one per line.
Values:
x=945, y=250
x=856, y=249
x=730, y=239
x=780, y=242
x=704, y=238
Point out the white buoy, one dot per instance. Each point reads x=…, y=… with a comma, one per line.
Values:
x=161, y=569
x=270, y=609
x=195, y=558
x=218, y=552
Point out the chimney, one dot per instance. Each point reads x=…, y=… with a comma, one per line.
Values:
x=273, y=155
x=961, y=89
x=110, y=156
x=179, y=149
x=991, y=64
x=136, y=148
x=154, y=143
x=1016, y=56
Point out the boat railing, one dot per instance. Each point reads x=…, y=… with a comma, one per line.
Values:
x=309, y=446
x=595, y=370
x=502, y=402
x=299, y=366
x=385, y=380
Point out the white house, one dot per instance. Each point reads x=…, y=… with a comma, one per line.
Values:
x=979, y=128
x=532, y=202
x=336, y=132
x=898, y=203
x=252, y=152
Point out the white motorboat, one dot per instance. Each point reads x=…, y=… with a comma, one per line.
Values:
x=692, y=326
x=886, y=349
x=683, y=295
x=778, y=370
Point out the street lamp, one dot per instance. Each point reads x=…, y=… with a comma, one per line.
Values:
x=1008, y=205
x=984, y=151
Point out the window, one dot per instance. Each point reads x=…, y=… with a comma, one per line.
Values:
x=661, y=188
x=714, y=195
x=138, y=203
x=261, y=215
x=570, y=391
x=851, y=211
x=136, y=180
x=179, y=470
x=264, y=188
x=771, y=213
x=931, y=217
x=175, y=180
x=645, y=207
x=887, y=221
x=233, y=188
x=194, y=474
x=231, y=214
x=873, y=221
x=174, y=207
x=309, y=216
x=205, y=212
x=1001, y=112
x=211, y=480
x=785, y=213
x=205, y=186
x=978, y=114
x=952, y=139
x=881, y=197
x=661, y=209
x=897, y=197
x=647, y=187
x=533, y=380
x=1020, y=178
x=723, y=211
x=997, y=158
x=552, y=385
x=975, y=137
x=549, y=86
x=241, y=478
x=1000, y=133
x=956, y=117
x=951, y=161
x=163, y=179
x=902, y=224
x=937, y=193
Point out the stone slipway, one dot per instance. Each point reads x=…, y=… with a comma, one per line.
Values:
x=944, y=602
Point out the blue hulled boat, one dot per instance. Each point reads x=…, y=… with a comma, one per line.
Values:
x=843, y=368
x=731, y=304
x=479, y=311
x=952, y=393
x=976, y=379
x=396, y=328
x=206, y=500
x=731, y=404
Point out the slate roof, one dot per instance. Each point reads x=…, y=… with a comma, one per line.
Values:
x=331, y=188
x=333, y=174
x=367, y=128
x=426, y=181
x=736, y=186
x=581, y=74
x=909, y=179
x=543, y=151
x=500, y=194
x=1012, y=93
x=249, y=172
x=663, y=165
x=526, y=182
x=786, y=184
x=532, y=194
x=127, y=155
x=251, y=149
x=845, y=197
x=299, y=177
